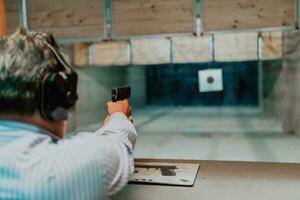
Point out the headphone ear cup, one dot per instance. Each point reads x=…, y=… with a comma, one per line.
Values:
x=59, y=88
x=54, y=102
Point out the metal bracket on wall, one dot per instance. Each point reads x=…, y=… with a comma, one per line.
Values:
x=91, y=54
x=171, y=49
x=260, y=72
x=213, y=48
x=198, y=8
x=197, y=17
x=108, y=18
x=297, y=18
x=258, y=46
x=23, y=13
x=130, y=52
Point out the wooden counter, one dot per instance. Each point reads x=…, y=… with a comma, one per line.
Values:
x=224, y=180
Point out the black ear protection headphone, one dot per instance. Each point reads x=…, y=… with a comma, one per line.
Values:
x=59, y=87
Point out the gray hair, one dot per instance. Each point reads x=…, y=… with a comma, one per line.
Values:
x=24, y=60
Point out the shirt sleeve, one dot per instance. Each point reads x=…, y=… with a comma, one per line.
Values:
x=86, y=166
x=121, y=134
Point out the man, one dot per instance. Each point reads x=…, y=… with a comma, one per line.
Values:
x=37, y=88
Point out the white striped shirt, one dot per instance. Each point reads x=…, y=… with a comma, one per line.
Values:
x=35, y=165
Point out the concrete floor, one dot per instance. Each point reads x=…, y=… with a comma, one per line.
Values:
x=241, y=134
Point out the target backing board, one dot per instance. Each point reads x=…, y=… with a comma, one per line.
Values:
x=210, y=80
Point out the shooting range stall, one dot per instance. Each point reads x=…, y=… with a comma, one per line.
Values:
x=169, y=52
x=226, y=180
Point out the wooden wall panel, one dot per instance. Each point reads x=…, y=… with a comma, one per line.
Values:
x=219, y=15
x=151, y=51
x=110, y=53
x=271, y=45
x=236, y=47
x=145, y=17
x=67, y=18
x=12, y=16
x=81, y=54
x=192, y=49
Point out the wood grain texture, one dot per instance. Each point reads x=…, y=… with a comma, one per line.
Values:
x=67, y=18
x=12, y=16
x=271, y=45
x=145, y=17
x=110, y=53
x=219, y=15
x=81, y=54
x=150, y=51
x=236, y=47
x=192, y=49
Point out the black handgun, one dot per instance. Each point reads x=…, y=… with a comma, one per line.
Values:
x=120, y=93
x=165, y=170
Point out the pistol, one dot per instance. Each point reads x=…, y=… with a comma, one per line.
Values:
x=120, y=93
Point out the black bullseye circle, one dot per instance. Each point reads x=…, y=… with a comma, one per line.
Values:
x=210, y=80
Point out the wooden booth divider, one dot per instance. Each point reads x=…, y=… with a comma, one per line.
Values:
x=140, y=17
x=229, y=15
x=68, y=18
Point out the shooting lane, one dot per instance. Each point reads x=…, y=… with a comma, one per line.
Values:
x=134, y=42
x=226, y=180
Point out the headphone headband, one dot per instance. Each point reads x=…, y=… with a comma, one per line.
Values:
x=58, y=56
x=59, y=88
